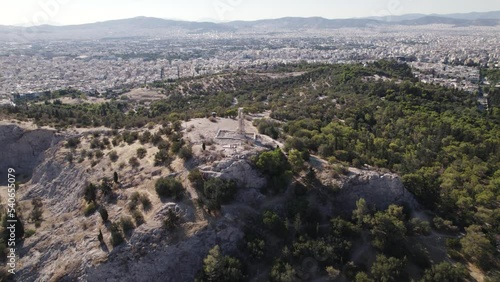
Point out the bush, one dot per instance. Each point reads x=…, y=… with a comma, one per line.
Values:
x=89, y=209
x=116, y=235
x=29, y=233
x=72, y=142
x=141, y=153
x=268, y=127
x=446, y=272
x=146, y=203
x=273, y=162
x=145, y=137
x=274, y=223
x=185, y=153
x=113, y=156
x=138, y=217
x=37, y=212
x=217, y=267
x=127, y=224
x=169, y=187
x=162, y=158
x=104, y=214
x=134, y=162
x=218, y=191
x=196, y=178
x=420, y=227
x=99, y=154
x=172, y=220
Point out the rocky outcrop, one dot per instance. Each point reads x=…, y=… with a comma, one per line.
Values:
x=238, y=170
x=58, y=182
x=176, y=262
x=378, y=189
x=23, y=149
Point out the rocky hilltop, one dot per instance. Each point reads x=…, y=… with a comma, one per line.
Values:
x=66, y=248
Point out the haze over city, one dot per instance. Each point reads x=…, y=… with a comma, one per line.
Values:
x=66, y=12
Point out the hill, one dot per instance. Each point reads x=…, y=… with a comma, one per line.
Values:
x=155, y=27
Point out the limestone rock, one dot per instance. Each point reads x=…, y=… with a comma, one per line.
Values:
x=23, y=149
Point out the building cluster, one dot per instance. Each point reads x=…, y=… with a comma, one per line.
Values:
x=441, y=54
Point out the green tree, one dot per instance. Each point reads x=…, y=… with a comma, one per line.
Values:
x=283, y=272
x=169, y=187
x=386, y=269
x=90, y=193
x=388, y=229
x=446, y=272
x=477, y=247
x=361, y=213
x=274, y=223
x=362, y=277
x=296, y=160
x=220, y=268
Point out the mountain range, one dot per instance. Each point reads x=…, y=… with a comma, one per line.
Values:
x=147, y=26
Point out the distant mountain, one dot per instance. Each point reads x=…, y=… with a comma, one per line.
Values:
x=294, y=23
x=155, y=27
x=475, y=15
x=450, y=21
x=465, y=16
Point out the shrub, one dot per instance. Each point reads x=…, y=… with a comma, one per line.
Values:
x=116, y=235
x=196, y=178
x=163, y=145
x=172, y=220
x=156, y=139
x=69, y=157
x=217, y=267
x=104, y=214
x=127, y=224
x=99, y=154
x=113, y=156
x=145, y=137
x=89, y=209
x=89, y=193
x=162, y=158
x=169, y=187
x=274, y=223
x=36, y=213
x=134, y=162
x=146, y=203
x=446, y=272
x=185, y=153
x=218, y=191
x=141, y=153
x=29, y=233
x=268, y=127
x=420, y=227
x=134, y=200
x=138, y=217
x=72, y=142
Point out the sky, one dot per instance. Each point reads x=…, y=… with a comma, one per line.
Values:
x=65, y=12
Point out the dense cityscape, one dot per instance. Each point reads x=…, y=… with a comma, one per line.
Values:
x=442, y=54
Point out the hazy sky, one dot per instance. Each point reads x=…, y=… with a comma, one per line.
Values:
x=36, y=12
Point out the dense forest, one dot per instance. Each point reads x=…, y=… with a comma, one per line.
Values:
x=445, y=148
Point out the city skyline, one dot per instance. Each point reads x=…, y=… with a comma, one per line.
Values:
x=69, y=12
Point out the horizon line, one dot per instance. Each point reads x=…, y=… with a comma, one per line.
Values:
x=214, y=21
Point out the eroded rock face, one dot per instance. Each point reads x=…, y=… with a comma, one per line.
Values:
x=238, y=170
x=23, y=150
x=378, y=189
x=179, y=262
